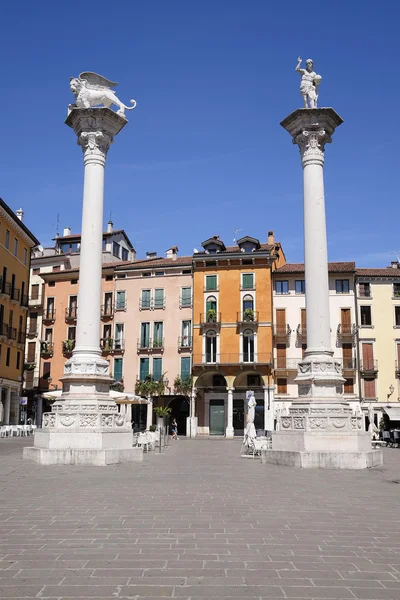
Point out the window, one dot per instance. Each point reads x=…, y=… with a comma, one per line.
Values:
x=145, y=299
x=146, y=274
x=15, y=247
x=342, y=286
x=115, y=249
x=186, y=297
x=185, y=367
x=211, y=283
x=145, y=335
x=48, y=335
x=119, y=336
x=282, y=385
x=124, y=254
x=186, y=271
x=247, y=261
x=35, y=292
x=8, y=356
x=396, y=290
x=158, y=334
x=73, y=307
x=211, y=309
x=281, y=287
x=121, y=300
x=348, y=387
x=74, y=281
x=46, y=370
x=248, y=303
x=364, y=290
x=211, y=347
x=281, y=356
x=18, y=360
x=71, y=334
x=118, y=363
x=144, y=368
x=369, y=388
x=300, y=286
x=159, y=300
x=157, y=369
x=248, y=345
x=248, y=281
x=35, y=271
x=186, y=333
x=107, y=278
x=366, y=320
x=397, y=315
x=159, y=273
x=108, y=304
x=25, y=256
x=7, y=239
x=347, y=354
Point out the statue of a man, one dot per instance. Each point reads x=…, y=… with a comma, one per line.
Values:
x=251, y=405
x=309, y=83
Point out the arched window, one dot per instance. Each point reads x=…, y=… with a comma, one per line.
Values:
x=248, y=303
x=211, y=346
x=211, y=309
x=248, y=345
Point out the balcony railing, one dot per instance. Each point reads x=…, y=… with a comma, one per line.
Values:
x=346, y=330
x=71, y=313
x=366, y=293
x=119, y=344
x=247, y=287
x=247, y=316
x=25, y=301
x=185, y=302
x=32, y=331
x=301, y=331
x=234, y=358
x=349, y=364
x=15, y=294
x=158, y=343
x=67, y=346
x=4, y=329
x=107, y=344
x=46, y=348
x=145, y=344
x=21, y=337
x=144, y=304
x=211, y=317
x=120, y=305
x=38, y=301
x=282, y=331
x=185, y=342
x=158, y=303
x=49, y=314
x=5, y=287
x=107, y=311
x=286, y=364
x=12, y=333
x=369, y=366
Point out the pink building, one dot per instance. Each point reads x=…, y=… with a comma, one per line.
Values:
x=153, y=321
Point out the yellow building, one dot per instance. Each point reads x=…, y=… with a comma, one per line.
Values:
x=16, y=242
x=232, y=333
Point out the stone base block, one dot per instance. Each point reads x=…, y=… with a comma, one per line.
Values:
x=323, y=460
x=321, y=441
x=82, y=456
x=229, y=433
x=55, y=439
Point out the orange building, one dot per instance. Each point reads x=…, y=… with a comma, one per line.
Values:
x=232, y=333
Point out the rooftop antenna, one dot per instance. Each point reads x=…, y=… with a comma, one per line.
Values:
x=57, y=224
x=235, y=232
x=396, y=253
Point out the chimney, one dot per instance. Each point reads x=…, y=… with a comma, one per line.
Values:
x=395, y=264
x=271, y=239
x=151, y=254
x=172, y=252
x=67, y=231
x=110, y=226
x=20, y=214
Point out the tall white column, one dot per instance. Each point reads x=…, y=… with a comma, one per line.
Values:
x=269, y=408
x=229, y=434
x=191, y=421
x=149, y=416
x=7, y=406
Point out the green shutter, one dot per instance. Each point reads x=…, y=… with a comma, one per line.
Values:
x=157, y=369
x=185, y=368
x=144, y=368
x=118, y=369
x=158, y=331
x=120, y=300
x=247, y=281
x=159, y=298
x=211, y=282
x=186, y=296
x=145, y=335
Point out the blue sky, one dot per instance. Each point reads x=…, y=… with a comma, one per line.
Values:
x=203, y=152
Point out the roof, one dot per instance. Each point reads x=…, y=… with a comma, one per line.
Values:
x=236, y=249
x=77, y=236
x=157, y=261
x=19, y=223
x=333, y=267
x=76, y=269
x=387, y=272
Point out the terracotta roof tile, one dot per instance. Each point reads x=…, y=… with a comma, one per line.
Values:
x=333, y=267
x=263, y=247
x=158, y=261
x=387, y=272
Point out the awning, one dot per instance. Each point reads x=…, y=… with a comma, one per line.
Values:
x=393, y=412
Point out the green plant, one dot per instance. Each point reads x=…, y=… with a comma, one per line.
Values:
x=153, y=427
x=68, y=345
x=29, y=366
x=150, y=387
x=183, y=386
x=108, y=343
x=249, y=314
x=117, y=386
x=211, y=315
x=158, y=343
x=161, y=411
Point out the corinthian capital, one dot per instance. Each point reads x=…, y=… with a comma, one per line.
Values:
x=311, y=143
x=95, y=144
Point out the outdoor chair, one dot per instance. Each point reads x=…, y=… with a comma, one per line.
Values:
x=135, y=439
x=396, y=438
x=143, y=441
x=386, y=437
x=4, y=430
x=15, y=431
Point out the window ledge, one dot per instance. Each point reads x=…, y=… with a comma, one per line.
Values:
x=367, y=326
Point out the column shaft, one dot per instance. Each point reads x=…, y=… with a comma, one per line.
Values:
x=7, y=407
x=229, y=429
x=149, y=419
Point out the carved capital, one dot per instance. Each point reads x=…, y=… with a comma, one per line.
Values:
x=311, y=143
x=95, y=145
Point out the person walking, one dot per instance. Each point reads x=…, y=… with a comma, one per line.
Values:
x=174, y=429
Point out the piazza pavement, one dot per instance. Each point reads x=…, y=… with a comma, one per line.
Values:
x=198, y=522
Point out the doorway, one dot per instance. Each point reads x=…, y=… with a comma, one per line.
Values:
x=217, y=417
x=180, y=412
x=238, y=416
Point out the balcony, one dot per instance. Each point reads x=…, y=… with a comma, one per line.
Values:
x=147, y=344
x=32, y=331
x=71, y=313
x=46, y=348
x=247, y=317
x=349, y=364
x=282, y=332
x=107, y=311
x=5, y=287
x=119, y=345
x=120, y=305
x=12, y=333
x=144, y=304
x=158, y=303
x=35, y=301
x=21, y=338
x=15, y=294
x=185, y=302
x=49, y=315
x=243, y=359
x=185, y=342
x=301, y=332
x=346, y=331
x=67, y=346
x=107, y=345
x=286, y=364
x=3, y=330
x=210, y=319
x=369, y=368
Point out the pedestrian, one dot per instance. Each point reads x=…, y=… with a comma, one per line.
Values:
x=174, y=429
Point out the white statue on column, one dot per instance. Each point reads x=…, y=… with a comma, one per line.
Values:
x=91, y=89
x=309, y=83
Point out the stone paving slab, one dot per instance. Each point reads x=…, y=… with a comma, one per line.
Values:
x=198, y=522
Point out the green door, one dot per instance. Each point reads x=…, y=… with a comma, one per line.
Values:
x=217, y=417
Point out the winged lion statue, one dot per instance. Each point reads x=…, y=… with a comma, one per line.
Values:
x=91, y=89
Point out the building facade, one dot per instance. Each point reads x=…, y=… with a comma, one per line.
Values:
x=232, y=333
x=290, y=328
x=16, y=243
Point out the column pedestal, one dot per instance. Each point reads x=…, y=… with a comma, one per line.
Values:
x=84, y=426
x=320, y=429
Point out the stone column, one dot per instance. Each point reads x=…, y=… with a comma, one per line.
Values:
x=229, y=434
x=7, y=406
x=269, y=408
x=191, y=421
x=39, y=410
x=149, y=418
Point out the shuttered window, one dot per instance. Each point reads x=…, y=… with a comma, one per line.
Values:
x=347, y=354
x=118, y=363
x=369, y=388
x=159, y=298
x=186, y=298
x=185, y=367
x=157, y=369
x=282, y=385
x=368, y=356
x=35, y=292
x=248, y=281
x=144, y=368
x=145, y=299
x=281, y=356
x=348, y=386
x=211, y=283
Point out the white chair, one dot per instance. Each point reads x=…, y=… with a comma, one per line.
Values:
x=3, y=431
x=143, y=440
x=15, y=431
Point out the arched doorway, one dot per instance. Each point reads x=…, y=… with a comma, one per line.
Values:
x=180, y=412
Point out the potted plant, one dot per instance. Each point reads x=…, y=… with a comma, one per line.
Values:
x=68, y=346
x=161, y=413
x=158, y=343
x=211, y=315
x=249, y=314
x=117, y=386
x=29, y=366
